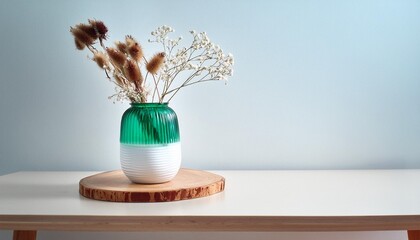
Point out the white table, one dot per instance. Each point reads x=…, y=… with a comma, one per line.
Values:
x=339, y=200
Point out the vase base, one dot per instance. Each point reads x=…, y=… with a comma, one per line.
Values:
x=150, y=163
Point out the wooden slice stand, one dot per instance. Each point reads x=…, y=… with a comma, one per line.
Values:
x=114, y=186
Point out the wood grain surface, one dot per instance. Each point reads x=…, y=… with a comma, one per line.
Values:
x=209, y=223
x=24, y=235
x=114, y=186
x=413, y=234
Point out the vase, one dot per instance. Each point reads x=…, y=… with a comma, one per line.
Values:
x=150, y=147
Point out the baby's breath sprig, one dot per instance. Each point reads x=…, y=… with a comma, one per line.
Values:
x=202, y=61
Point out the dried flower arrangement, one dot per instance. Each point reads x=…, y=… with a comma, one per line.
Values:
x=202, y=61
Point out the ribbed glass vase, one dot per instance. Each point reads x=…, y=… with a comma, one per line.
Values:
x=150, y=147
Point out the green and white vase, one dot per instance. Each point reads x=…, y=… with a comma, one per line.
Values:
x=150, y=147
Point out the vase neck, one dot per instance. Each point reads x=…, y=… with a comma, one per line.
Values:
x=142, y=105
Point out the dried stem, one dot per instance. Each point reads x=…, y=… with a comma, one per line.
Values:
x=204, y=60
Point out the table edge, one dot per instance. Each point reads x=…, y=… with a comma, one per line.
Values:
x=209, y=223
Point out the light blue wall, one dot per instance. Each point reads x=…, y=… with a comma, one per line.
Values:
x=317, y=84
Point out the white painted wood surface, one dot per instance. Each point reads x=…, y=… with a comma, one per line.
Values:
x=248, y=193
x=267, y=193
